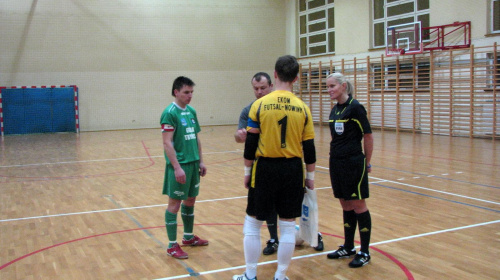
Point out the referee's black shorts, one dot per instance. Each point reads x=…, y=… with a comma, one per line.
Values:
x=349, y=177
x=277, y=184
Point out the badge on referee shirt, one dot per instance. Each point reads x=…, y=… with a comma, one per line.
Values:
x=339, y=128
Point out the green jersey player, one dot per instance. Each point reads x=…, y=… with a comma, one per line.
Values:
x=184, y=166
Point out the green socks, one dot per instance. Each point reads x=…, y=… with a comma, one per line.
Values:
x=187, y=214
x=171, y=225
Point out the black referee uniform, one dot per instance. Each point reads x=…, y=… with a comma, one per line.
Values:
x=348, y=172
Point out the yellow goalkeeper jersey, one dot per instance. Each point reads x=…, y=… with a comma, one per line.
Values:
x=284, y=122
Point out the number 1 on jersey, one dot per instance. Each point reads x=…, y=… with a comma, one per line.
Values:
x=283, y=123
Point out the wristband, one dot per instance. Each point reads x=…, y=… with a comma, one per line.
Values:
x=369, y=166
x=248, y=170
x=310, y=175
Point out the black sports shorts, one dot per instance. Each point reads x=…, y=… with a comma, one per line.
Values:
x=278, y=184
x=349, y=177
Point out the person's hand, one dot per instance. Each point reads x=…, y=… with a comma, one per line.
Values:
x=203, y=169
x=247, y=181
x=309, y=184
x=180, y=175
x=241, y=135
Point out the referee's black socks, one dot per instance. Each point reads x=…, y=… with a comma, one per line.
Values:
x=350, y=222
x=365, y=229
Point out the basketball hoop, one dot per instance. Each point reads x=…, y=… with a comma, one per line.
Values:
x=403, y=39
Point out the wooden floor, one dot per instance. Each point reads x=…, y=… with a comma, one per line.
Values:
x=89, y=206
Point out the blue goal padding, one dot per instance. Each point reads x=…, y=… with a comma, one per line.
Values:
x=13, y=111
x=38, y=117
x=38, y=110
x=63, y=110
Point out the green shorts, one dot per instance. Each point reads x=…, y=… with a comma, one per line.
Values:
x=191, y=188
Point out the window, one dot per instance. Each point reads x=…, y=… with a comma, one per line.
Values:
x=388, y=77
x=495, y=16
x=393, y=12
x=317, y=27
x=311, y=80
x=494, y=70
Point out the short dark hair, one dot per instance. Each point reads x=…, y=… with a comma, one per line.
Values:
x=287, y=68
x=181, y=81
x=259, y=76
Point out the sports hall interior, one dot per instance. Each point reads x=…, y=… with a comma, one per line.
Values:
x=87, y=204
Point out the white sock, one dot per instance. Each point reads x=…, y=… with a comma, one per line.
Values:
x=286, y=248
x=251, y=245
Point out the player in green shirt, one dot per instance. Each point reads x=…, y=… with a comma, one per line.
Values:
x=184, y=166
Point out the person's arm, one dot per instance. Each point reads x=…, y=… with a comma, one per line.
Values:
x=251, y=143
x=368, y=149
x=241, y=133
x=310, y=160
x=248, y=174
x=367, y=135
x=180, y=175
x=309, y=182
x=203, y=169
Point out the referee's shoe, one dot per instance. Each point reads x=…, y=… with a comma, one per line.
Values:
x=341, y=253
x=360, y=260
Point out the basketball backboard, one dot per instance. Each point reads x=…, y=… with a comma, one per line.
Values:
x=403, y=39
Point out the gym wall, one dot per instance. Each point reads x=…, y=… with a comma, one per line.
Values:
x=124, y=55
